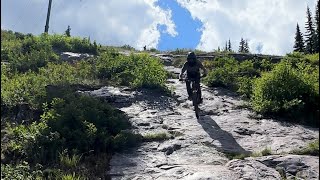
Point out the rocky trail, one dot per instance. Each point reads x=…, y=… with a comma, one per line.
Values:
x=198, y=148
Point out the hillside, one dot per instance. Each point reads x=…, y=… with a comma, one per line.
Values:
x=73, y=109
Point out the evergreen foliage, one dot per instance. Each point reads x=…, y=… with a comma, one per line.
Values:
x=229, y=46
x=310, y=34
x=67, y=33
x=299, y=44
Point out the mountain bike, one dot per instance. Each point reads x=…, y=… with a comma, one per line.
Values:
x=195, y=95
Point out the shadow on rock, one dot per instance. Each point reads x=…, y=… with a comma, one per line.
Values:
x=227, y=143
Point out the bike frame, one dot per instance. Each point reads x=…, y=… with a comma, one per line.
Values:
x=195, y=97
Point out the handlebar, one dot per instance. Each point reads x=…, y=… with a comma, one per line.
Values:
x=184, y=79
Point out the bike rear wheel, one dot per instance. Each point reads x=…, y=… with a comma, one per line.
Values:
x=195, y=101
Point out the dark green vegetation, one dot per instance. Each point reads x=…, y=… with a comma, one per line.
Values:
x=287, y=89
x=311, y=43
x=48, y=129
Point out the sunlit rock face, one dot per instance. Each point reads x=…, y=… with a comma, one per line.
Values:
x=198, y=148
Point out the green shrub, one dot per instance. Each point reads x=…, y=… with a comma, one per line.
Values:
x=20, y=171
x=23, y=88
x=30, y=87
x=74, y=122
x=246, y=68
x=283, y=90
x=224, y=72
x=84, y=123
x=135, y=71
x=266, y=65
x=245, y=85
x=219, y=77
x=32, y=52
x=73, y=44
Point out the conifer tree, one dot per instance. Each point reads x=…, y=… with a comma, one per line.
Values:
x=246, y=47
x=310, y=33
x=298, y=44
x=317, y=28
x=241, y=47
x=229, y=46
x=67, y=32
x=226, y=47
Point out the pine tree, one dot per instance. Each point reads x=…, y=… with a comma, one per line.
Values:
x=67, y=32
x=226, y=47
x=298, y=44
x=317, y=28
x=241, y=47
x=229, y=46
x=246, y=47
x=310, y=33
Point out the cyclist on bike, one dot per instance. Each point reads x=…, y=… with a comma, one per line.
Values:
x=193, y=66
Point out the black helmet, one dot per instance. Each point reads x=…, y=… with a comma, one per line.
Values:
x=191, y=56
x=191, y=59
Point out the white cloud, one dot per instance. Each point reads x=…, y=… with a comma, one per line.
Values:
x=269, y=24
x=112, y=22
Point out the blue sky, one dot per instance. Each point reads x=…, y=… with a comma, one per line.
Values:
x=267, y=25
x=187, y=28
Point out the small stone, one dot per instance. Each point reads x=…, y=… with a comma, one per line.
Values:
x=169, y=151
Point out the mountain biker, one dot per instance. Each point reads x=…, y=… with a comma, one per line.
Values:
x=193, y=66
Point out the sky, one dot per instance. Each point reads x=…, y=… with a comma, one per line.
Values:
x=268, y=25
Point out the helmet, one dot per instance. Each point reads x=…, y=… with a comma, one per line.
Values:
x=191, y=58
x=192, y=55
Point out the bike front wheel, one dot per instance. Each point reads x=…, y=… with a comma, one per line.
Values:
x=195, y=101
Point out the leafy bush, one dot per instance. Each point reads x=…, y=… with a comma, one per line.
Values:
x=223, y=72
x=19, y=171
x=220, y=77
x=74, y=122
x=246, y=68
x=83, y=123
x=32, y=52
x=244, y=84
x=30, y=87
x=135, y=71
x=266, y=65
x=72, y=44
x=283, y=90
x=23, y=88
